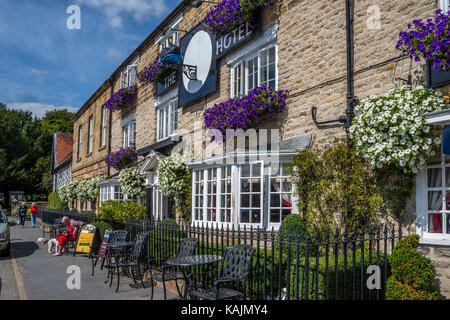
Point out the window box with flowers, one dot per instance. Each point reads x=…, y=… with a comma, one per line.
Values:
x=152, y=72
x=429, y=41
x=227, y=15
x=122, y=99
x=260, y=104
x=121, y=159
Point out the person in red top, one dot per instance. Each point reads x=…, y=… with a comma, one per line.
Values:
x=66, y=236
x=33, y=213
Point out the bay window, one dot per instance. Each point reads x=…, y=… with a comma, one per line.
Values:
x=256, y=70
x=111, y=190
x=242, y=194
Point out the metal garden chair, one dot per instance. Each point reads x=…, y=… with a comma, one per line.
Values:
x=132, y=260
x=235, y=268
x=169, y=273
x=114, y=237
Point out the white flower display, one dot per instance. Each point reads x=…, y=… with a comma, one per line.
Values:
x=88, y=189
x=68, y=192
x=172, y=175
x=132, y=182
x=82, y=190
x=391, y=129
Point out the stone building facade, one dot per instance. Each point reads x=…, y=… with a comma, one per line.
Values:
x=300, y=46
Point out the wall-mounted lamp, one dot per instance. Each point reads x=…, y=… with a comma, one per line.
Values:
x=198, y=3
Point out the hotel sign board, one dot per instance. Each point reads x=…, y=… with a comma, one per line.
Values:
x=202, y=48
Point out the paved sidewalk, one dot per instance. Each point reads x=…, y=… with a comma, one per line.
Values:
x=44, y=276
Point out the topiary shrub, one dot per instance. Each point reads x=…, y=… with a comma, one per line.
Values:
x=292, y=226
x=413, y=274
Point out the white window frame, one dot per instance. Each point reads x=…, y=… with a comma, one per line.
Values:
x=80, y=141
x=422, y=212
x=108, y=192
x=103, y=132
x=269, y=187
x=163, y=40
x=444, y=5
x=244, y=64
x=129, y=134
x=91, y=134
x=250, y=193
x=126, y=79
x=167, y=119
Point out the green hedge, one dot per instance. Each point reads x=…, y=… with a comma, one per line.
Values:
x=322, y=287
x=54, y=202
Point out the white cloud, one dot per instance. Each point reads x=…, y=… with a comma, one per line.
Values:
x=39, y=109
x=37, y=72
x=113, y=53
x=139, y=9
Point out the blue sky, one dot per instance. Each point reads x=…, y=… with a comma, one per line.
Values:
x=44, y=65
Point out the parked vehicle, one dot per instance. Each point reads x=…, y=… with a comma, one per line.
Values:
x=5, y=243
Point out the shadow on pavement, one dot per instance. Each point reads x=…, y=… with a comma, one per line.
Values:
x=24, y=249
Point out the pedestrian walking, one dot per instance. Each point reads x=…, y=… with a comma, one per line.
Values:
x=23, y=214
x=33, y=214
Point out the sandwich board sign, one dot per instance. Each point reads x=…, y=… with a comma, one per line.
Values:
x=85, y=239
x=105, y=240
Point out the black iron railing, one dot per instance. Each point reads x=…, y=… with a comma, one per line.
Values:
x=323, y=266
x=320, y=266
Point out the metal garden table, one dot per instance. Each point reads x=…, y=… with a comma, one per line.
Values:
x=112, y=250
x=188, y=262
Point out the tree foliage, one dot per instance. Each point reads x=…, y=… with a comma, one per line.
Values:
x=25, y=149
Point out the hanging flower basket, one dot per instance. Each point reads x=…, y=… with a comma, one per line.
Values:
x=227, y=15
x=174, y=176
x=429, y=40
x=88, y=189
x=260, y=104
x=152, y=72
x=132, y=182
x=122, y=158
x=122, y=98
x=391, y=131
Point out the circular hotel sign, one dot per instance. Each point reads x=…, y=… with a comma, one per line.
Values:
x=198, y=53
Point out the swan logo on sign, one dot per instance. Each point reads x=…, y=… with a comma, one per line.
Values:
x=197, y=48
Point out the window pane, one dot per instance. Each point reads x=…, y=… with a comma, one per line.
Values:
x=256, y=216
x=434, y=178
x=256, y=201
x=245, y=200
x=256, y=170
x=435, y=223
x=275, y=216
x=434, y=200
x=245, y=185
x=245, y=170
x=245, y=218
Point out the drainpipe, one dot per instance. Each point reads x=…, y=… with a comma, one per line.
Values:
x=111, y=86
x=351, y=99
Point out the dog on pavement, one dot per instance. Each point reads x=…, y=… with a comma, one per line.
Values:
x=51, y=244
